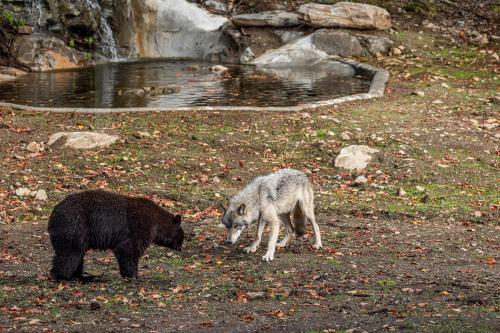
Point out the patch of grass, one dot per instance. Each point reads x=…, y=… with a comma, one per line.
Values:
x=387, y=284
x=333, y=262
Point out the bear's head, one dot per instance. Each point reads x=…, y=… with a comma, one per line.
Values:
x=169, y=232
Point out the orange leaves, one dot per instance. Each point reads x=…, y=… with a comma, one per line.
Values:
x=241, y=296
x=180, y=288
x=247, y=317
x=209, y=212
x=278, y=314
x=489, y=260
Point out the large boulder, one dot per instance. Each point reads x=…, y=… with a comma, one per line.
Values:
x=345, y=15
x=45, y=53
x=312, y=49
x=301, y=52
x=168, y=29
x=82, y=140
x=274, y=18
x=10, y=73
x=355, y=157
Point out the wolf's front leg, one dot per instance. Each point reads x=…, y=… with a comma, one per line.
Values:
x=274, y=224
x=255, y=245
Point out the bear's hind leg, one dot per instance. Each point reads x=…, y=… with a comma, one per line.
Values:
x=64, y=267
x=127, y=260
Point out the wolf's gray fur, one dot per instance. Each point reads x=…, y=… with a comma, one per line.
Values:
x=271, y=199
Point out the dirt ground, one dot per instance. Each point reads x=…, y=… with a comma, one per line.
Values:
x=424, y=261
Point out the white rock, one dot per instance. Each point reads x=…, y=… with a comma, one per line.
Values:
x=22, y=192
x=84, y=140
x=418, y=93
x=420, y=188
x=401, y=192
x=216, y=180
x=219, y=68
x=360, y=180
x=34, y=147
x=345, y=136
x=354, y=157
x=396, y=51
x=41, y=195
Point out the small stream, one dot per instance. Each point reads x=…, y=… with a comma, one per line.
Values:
x=116, y=84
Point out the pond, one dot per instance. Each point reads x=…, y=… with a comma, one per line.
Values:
x=181, y=83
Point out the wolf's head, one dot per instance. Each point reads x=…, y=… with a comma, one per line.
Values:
x=236, y=218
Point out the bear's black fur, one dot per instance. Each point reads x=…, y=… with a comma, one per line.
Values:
x=102, y=220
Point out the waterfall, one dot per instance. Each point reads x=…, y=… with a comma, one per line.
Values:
x=36, y=12
x=108, y=44
x=107, y=38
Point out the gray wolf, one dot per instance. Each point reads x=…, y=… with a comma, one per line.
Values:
x=271, y=199
x=103, y=220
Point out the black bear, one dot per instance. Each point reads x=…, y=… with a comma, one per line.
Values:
x=101, y=220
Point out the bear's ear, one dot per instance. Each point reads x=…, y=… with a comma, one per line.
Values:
x=177, y=219
x=242, y=209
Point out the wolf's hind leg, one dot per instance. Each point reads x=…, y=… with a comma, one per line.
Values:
x=285, y=218
x=255, y=245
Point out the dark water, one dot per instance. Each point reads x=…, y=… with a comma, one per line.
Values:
x=109, y=85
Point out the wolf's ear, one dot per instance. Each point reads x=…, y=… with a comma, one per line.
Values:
x=242, y=209
x=177, y=219
x=222, y=208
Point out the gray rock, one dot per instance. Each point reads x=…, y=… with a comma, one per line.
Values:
x=345, y=15
x=360, y=180
x=256, y=294
x=274, y=18
x=215, y=6
x=335, y=42
x=355, y=157
x=41, y=195
x=22, y=192
x=77, y=14
x=288, y=35
x=83, y=140
x=375, y=44
x=247, y=56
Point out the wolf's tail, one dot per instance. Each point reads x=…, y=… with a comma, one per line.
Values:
x=299, y=221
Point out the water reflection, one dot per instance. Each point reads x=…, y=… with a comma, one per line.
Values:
x=107, y=85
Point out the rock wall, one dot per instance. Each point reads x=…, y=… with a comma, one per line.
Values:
x=69, y=33
x=168, y=29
